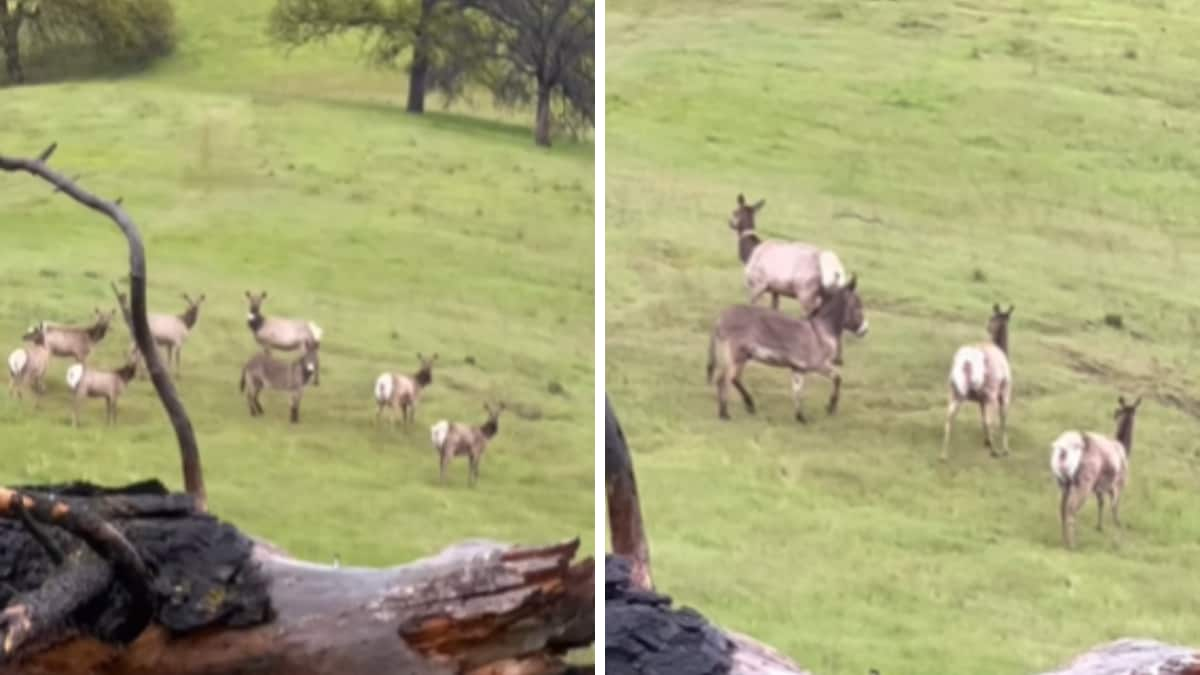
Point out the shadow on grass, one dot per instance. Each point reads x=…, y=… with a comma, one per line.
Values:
x=449, y=120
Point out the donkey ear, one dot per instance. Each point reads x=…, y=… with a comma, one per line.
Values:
x=759, y=204
x=741, y=200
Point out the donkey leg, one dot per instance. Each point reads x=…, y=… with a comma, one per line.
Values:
x=797, y=390
x=737, y=382
x=295, y=413
x=1099, y=511
x=951, y=413
x=836, y=395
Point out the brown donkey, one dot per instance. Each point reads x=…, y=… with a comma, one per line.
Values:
x=1084, y=462
x=981, y=373
x=745, y=333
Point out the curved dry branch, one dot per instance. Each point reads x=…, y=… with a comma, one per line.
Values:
x=193, y=475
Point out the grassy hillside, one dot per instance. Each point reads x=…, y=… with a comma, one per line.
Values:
x=954, y=154
x=302, y=176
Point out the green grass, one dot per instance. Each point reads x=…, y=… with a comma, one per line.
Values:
x=302, y=176
x=1042, y=144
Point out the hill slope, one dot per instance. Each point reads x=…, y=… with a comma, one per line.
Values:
x=301, y=176
x=954, y=155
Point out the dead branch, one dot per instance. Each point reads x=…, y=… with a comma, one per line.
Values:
x=193, y=475
x=624, y=507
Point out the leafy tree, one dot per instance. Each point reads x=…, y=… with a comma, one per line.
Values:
x=122, y=31
x=444, y=42
x=544, y=50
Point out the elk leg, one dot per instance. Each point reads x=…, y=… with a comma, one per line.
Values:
x=1115, y=498
x=837, y=356
x=295, y=414
x=722, y=396
x=951, y=413
x=756, y=293
x=737, y=382
x=1004, y=401
x=1072, y=499
x=378, y=414
x=445, y=460
x=1099, y=511
x=774, y=301
x=797, y=390
x=474, y=477
x=985, y=417
x=75, y=411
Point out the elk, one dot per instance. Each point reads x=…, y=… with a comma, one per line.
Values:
x=27, y=364
x=170, y=331
x=400, y=392
x=454, y=439
x=981, y=373
x=1084, y=462
x=91, y=383
x=745, y=333
x=279, y=333
x=263, y=371
x=76, y=341
x=791, y=269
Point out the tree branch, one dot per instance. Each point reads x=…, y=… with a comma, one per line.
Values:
x=193, y=475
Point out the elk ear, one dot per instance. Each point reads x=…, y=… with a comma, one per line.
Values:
x=996, y=308
x=200, y=299
x=1121, y=401
x=758, y=205
x=434, y=357
x=1010, y=310
x=1137, y=402
x=741, y=199
x=853, y=284
x=248, y=296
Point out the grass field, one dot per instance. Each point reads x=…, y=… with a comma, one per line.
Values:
x=302, y=176
x=954, y=154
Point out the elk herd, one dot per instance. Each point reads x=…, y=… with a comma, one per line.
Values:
x=263, y=370
x=1081, y=462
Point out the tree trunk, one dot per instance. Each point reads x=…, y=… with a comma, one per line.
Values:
x=10, y=31
x=418, y=71
x=416, y=80
x=542, y=130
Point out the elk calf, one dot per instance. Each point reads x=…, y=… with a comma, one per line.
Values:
x=400, y=392
x=745, y=333
x=981, y=373
x=278, y=333
x=76, y=341
x=91, y=383
x=1084, y=462
x=27, y=364
x=263, y=371
x=454, y=439
x=170, y=331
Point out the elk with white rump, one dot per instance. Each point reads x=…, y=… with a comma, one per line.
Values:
x=279, y=333
x=400, y=392
x=981, y=373
x=92, y=383
x=76, y=341
x=791, y=269
x=170, y=331
x=745, y=333
x=454, y=439
x=1084, y=462
x=263, y=371
x=27, y=364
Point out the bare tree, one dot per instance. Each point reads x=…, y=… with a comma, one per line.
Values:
x=13, y=16
x=543, y=49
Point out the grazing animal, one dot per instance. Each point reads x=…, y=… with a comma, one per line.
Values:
x=263, y=371
x=981, y=373
x=170, y=331
x=745, y=333
x=1084, y=462
x=400, y=392
x=791, y=269
x=279, y=333
x=27, y=364
x=454, y=439
x=76, y=341
x=92, y=383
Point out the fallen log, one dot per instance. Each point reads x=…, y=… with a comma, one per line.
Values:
x=225, y=604
x=1134, y=657
x=644, y=634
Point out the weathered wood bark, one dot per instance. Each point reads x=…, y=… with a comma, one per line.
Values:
x=1134, y=657
x=644, y=634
